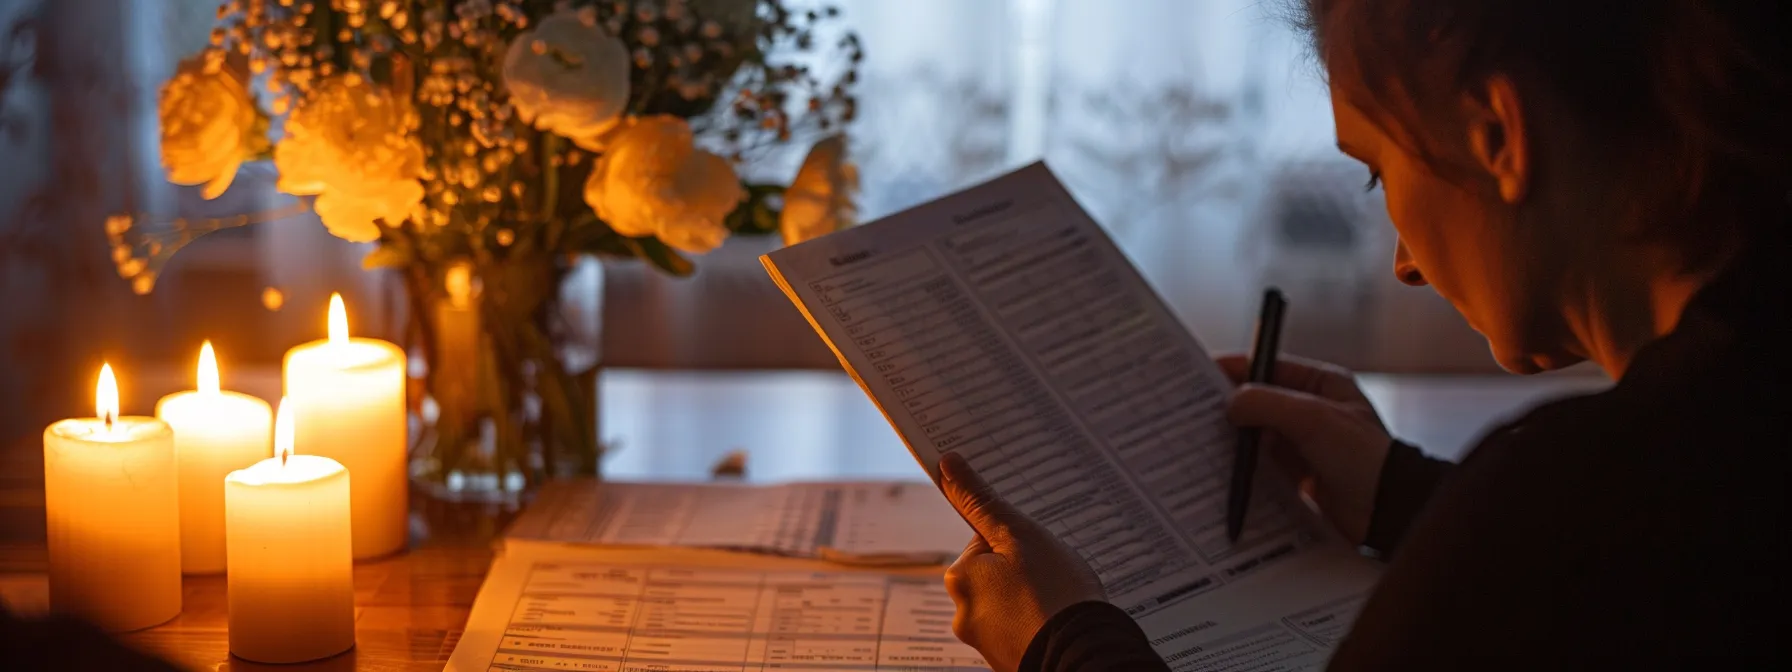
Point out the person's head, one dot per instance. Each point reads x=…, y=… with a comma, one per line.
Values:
x=1542, y=158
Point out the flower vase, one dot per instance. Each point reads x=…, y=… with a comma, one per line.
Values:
x=504, y=398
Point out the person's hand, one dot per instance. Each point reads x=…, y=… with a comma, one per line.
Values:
x=1013, y=577
x=1321, y=430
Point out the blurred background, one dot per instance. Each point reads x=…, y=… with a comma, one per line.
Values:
x=1197, y=131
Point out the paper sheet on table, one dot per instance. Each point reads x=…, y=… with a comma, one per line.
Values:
x=688, y=610
x=1003, y=324
x=874, y=522
x=608, y=609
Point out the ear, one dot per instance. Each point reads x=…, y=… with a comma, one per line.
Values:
x=1498, y=138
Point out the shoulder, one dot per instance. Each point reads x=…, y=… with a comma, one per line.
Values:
x=1650, y=461
x=1675, y=437
x=1593, y=525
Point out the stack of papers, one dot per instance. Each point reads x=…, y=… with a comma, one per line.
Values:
x=859, y=522
x=686, y=610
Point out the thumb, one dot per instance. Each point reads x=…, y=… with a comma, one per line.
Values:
x=1300, y=417
x=988, y=514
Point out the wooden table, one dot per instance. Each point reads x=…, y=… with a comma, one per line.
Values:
x=796, y=425
x=409, y=608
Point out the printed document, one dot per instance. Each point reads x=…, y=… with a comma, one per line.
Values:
x=609, y=610
x=1003, y=324
x=876, y=522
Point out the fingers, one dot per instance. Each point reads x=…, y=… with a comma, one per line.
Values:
x=958, y=578
x=1301, y=417
x=988, y=514
x=1288, y=458
x=977, y=547
x=1299, y=373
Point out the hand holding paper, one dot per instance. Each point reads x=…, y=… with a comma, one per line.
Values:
x=1013, y=577
x=1003, y=326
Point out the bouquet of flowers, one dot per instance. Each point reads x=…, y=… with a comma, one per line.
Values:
x=482, y=143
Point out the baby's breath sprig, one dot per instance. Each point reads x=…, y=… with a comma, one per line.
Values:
x=742, y=73
x=142, y=244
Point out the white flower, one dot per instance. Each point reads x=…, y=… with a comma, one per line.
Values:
x=820, y=199
x=652, y=180
x=568, y=77
x=351, y=144
x=209, y=126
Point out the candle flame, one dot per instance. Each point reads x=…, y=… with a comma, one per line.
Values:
x=283, y=432
x=208, y=370
x=338, y=320
x=105, y=396
x=459, y=282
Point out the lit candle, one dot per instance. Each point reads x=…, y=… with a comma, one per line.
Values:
x=291, y=576
x=112, y=504
x=456, y=364
x=348, y=405
x=215, y=432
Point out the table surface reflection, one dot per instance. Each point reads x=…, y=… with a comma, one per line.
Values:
x=662, y=426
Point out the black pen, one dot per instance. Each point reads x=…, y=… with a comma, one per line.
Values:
x=1263, y=368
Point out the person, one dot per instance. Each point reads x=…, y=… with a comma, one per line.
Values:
x=1603, y=180
x=63, y=643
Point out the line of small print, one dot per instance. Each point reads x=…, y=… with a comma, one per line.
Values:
x=724, y=634
x=660, y=664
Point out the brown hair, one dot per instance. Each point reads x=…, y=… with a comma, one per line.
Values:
x=1689, y=102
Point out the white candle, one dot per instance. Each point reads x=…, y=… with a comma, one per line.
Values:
x=348, y=405
x=112, y=504
x=215, y=432
x=291, y=576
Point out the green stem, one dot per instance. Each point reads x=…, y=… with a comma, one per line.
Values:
x=561, y=398
x=498, y=371
x=505, y=370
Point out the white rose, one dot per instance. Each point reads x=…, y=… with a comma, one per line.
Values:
x=350, y=144
x=821, y=199
x=653, y=180
x=209, y=126
x=569, y=78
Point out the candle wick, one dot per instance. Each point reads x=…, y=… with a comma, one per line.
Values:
x=283, y=455
x=110, y=419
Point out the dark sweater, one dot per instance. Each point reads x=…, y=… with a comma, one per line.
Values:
x=1644, y=527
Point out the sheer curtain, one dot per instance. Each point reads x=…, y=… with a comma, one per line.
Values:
x=25, y=142
x=1197, y=131
x=1150, y=127
x=934, y=97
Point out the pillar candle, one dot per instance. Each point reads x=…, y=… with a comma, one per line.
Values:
x=215, y=432
x=348, y=405
x=456, y=365
x=291, y=574
x=112, y=508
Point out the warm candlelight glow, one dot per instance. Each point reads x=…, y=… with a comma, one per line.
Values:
x=283, y=432
x=459, y=283
x=105, y=397
x=208, y=370
x=216, y=431
x=289, y=553
x=347, y=404
x=112, y=516
x=338, y=321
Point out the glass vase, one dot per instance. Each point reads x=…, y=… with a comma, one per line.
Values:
x=504, y=373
